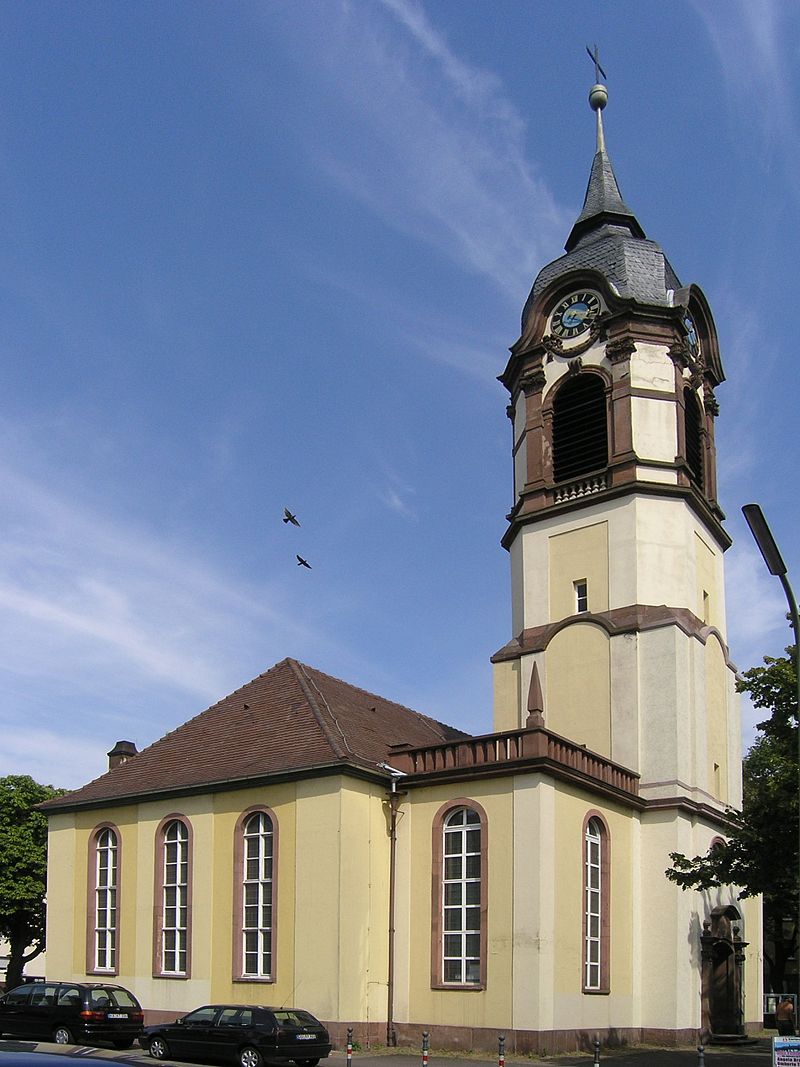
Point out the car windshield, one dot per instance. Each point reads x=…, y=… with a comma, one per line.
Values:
x=295, y=1018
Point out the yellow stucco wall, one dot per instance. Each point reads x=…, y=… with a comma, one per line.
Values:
x=534, y=880
x=578, y=686
x=575, y=555
x=333, y=849
x=716, y=679
x=708, y=604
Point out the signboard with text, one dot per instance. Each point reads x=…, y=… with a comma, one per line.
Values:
x=786, y=1052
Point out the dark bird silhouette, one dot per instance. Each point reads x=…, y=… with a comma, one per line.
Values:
x=288, y=517
x=302, y=562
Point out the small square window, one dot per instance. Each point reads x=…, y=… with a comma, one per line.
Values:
x=581, y=588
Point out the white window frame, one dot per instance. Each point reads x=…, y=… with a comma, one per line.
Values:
x=175, y=899
x=105, y=901
x=581, y=587
x=461, y=898
x=258, y=857
x=593, y=905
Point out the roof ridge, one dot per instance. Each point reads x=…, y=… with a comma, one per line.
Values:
x=377, y=696
x=298, y=669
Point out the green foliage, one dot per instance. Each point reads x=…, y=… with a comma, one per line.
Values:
x=23, y=866
x=760, y=855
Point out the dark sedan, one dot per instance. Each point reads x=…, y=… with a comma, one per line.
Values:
x=245, y=1034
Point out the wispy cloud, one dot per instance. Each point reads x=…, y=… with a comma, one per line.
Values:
x=112, y=632
x=751, y=45
x=436, y=148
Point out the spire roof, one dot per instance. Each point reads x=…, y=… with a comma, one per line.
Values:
x=603, y=202
x=608, y=238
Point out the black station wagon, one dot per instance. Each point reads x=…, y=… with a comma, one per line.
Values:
x=71, y=1013
x=246, y=1034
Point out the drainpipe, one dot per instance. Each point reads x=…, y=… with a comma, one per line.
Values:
x=394, y=801
x=394, y=804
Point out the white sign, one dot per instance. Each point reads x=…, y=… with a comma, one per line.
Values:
x=786, y=1052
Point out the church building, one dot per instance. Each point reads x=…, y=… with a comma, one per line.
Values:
x=304, y=841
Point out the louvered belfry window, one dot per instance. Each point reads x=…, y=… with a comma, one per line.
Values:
x=694, y=440
x=580, y=428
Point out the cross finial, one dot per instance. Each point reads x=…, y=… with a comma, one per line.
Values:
x=595, y=58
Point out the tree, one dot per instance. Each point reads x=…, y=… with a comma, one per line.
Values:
x=23, y=869
x=760, y=855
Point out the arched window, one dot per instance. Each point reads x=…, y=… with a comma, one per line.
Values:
x=596, y=934
x=693, y=421
x=580, y=428
x=257, y=896
x=173, y=872
x=459, y=921
x=103, y=906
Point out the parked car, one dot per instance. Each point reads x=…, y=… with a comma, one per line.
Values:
x=72, y=1013
x=246, y=1034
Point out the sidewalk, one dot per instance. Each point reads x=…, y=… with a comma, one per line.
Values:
x=758, y=1054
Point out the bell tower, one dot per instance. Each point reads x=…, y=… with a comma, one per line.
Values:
x=615, y=534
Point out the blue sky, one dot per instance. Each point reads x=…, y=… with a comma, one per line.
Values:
x=274, y=253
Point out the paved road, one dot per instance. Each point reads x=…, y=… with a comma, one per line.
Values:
x=758, y=1054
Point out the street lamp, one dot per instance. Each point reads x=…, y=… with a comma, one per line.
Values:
x=775, y=565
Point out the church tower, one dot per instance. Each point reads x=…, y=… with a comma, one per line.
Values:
x=615, y=535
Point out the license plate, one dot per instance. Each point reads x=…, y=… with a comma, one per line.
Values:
x=112, y=1015
x=306, y=1037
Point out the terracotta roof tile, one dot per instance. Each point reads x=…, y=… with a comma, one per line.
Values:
x=291, y=718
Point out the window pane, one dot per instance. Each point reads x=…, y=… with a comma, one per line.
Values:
x=453, y=892
x=452, y=919
x=452, y=867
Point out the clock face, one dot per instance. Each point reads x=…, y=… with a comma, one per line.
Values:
x=575, y=314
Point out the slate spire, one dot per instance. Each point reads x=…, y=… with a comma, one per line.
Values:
x=603, y=203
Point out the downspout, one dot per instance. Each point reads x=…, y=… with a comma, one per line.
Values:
x=394, y=801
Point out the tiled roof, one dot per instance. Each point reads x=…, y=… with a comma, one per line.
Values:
x=290, y=719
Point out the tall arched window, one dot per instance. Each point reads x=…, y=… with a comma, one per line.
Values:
x=693, y=421
x=102, y=901
x=596, y=933
x=459, y=922
x=173, y=888
x=256, y=889
x=255, y=884
x=580, y=428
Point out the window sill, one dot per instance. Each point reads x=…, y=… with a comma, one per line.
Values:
x=251, y=978
x=171, y=977
x=604, y=992
x=460, y=987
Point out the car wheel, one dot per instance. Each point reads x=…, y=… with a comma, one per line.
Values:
x=62, y=1035
x=307, y=1063
x=123, y=1042
x=250, y=1057
x=159, y=1049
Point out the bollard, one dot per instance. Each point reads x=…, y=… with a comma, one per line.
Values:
x=425, y=1046
x=501, y=1053
x=596, y=1053
x=701, y=1056
x=349, y=1046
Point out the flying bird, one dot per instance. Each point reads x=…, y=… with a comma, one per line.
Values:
x=302, y=562
x=288, y=517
